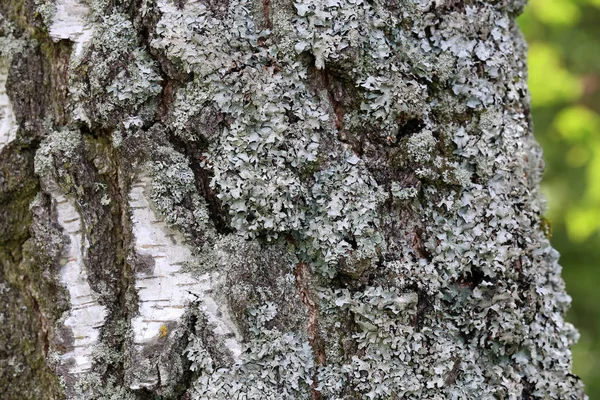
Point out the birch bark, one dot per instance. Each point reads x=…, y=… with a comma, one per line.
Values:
x=243, y=199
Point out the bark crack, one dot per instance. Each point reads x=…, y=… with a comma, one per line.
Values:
x=43, y=320
x=267, y=13
x=216, y=211
x=302, y=274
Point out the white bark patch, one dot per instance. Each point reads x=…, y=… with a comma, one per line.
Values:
x=165, y=291
x=70, y=22
x=8, y=125
x=86, y=316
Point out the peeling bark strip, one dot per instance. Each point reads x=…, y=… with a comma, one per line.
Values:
x=86, y=316
x=8, y=128
x=70, y=22
x=164, y=290
x=325, y=199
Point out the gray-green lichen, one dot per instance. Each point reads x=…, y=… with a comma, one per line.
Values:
x=118, y=90
x=358, y=179
x=47, y=10
x=175, y=194
x=449, y=322
x=62, y=148
x=10, y=43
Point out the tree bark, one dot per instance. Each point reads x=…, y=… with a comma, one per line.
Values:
x=242, y=199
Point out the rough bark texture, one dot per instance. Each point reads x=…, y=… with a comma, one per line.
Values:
x=268, y=199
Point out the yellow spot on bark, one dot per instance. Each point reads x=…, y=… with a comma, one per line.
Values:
x=546, y=226
x=163, y=331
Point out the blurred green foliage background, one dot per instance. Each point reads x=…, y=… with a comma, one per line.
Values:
x=564, y=80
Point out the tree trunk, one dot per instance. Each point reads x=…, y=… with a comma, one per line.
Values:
x=242, y=199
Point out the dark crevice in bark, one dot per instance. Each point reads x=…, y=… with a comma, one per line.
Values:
x=194, y=152
x=418, y=245
x=528, y=389
x=356, y=284
x=195, y=325
x=43, y=320
x=341, y=95
x=158, y=374
x=474, y=279
x=408, y=126
x=446, y=6
x=124, y=240
x=339, y=110
x=425, y=304
x=145, y=28
x=292, y=118
x=122, y=233
x=453, y=374
x=187, y=378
